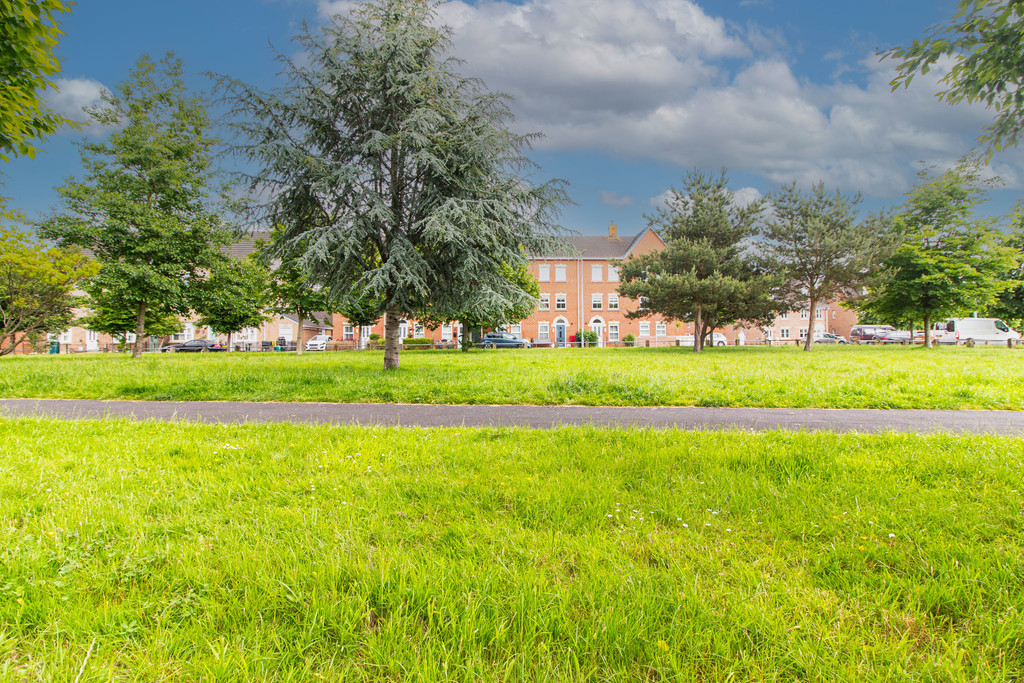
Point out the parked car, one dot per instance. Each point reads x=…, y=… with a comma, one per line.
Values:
x=828, y=338
x=867, y=333
x=981, y=330
x=894, y=337
x=318, y=343
x=717, y=339
x=194, y=346
x=503, y=340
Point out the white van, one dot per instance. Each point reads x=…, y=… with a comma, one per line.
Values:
x=981, y=330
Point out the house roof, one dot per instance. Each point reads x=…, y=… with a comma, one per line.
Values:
x=313, y=324
x=596, y=247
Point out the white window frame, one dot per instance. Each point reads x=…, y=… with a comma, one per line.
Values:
x=596, y=272
x=348, y=333
x=613, y=332
x=517, y=329
x=645, y=329
x=803, y=333
x=446, y=332
x=597, y=302
x=769, y=333
x=418, y=330
x=543, y=330
x=661, y=328
x=613, y=302
x=284, y=331
x=544, y=272
x=784, y=315
x=560, y=272
x=545, y=302
x=560, y=302
x=613, y=274
x=819, y=314
x=804, y=314
x=784, y=333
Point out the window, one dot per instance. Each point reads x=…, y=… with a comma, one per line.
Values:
x=645, y=329
x=803, y=332
x=559, y=272
x=613, y=302
x=833, y=315
x=545, y=302
x=446, y=332
x=211, y=334
x=559, y=302
x=784, y=315
x=596, y=302
x=419, y=331
x=187, y=334
x=544, y=273
x=348, y=333
x=543, y=331
x=784, y=333
x=804, y=313
x=769, y=333
x=517, y=329
x=249, y=334
x=819, y=314
x=643, y=303
x=613, y=332
x=65, y=337
x=662, y=328
x=1001, y=326
x=613, y=274
x=595, y=273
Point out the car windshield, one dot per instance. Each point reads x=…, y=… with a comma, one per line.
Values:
x=1001, y=326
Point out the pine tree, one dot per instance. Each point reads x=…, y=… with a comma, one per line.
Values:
x=818, y=246
x=704, y=274
x=400, y=178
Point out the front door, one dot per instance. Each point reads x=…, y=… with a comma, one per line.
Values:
x=560, y=336
x=92, y=340
x=598, y=328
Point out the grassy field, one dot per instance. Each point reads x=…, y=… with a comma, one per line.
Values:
x=853, y=377
x=146, y=551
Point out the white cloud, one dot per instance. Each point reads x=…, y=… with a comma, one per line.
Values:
x=665, y=80
x=73, y=94
x=612, y=198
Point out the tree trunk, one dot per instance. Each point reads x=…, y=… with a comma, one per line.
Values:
x=464, y=338
x=392, y=344
x=809, y=341
x=698, y=327
x=140, y=327
x=298, y=336
x=927, y=331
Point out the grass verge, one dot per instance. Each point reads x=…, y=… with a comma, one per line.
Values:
x=186, y=552
x=854, y=377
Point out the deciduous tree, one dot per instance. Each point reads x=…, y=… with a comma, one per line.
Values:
x=399, y=176
x=144, y=207
x=29, y=31
x=1010, y=303
x=37, y=286
x=236, y=294
x=816, y=242
x=705, y=273
x=985, y=40
x=949, y=260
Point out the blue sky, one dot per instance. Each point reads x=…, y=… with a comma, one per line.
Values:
x=629, y=94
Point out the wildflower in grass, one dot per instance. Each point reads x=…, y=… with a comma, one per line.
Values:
x=861, y=547
x=892, y=535
x=686, y=526
x=663, y=645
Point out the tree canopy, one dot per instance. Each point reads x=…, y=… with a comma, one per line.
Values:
x=144, y=208
x=1010, y=302
x=985, y=40
x=399, y=177
x=29, y=31
x=705, y=274
x=235, y=295
x=820, y=247
x=948, y=261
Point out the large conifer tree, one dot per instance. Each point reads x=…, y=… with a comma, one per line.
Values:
x=399, y=177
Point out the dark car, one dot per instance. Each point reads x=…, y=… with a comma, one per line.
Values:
x=867, y=333
x=503, y=340
x=195, y=346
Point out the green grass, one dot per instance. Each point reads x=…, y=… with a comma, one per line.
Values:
x=182, y=552
x=854, y=377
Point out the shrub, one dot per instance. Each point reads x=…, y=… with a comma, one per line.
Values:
x=375, y=337
x=418, y=343
x=629, y=340
x=589, y=337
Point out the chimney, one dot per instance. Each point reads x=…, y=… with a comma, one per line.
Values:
x=613, y=232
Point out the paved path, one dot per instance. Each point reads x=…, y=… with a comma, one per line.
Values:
x=541, y=417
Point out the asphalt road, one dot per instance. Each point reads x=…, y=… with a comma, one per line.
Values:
x=539, y=417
